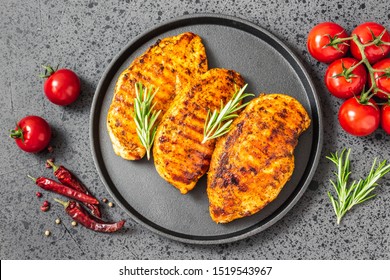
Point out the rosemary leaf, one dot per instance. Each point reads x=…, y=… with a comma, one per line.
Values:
x=357, y=192
x=218, y=123
x=145, y=116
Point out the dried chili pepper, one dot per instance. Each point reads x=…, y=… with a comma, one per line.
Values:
x=80, y=215
x=50, y=185
x=68, y=179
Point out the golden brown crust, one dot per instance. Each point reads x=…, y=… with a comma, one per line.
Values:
x=251, y=164
x=179, y=156
x=168, y=65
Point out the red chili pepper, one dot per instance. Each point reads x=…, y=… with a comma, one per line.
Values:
x=80, y=215
x=50, y=185
x=68, y=179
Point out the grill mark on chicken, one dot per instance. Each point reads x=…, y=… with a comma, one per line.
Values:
x=198, y=130
x=184, y=162
x=251, y=164
x=169, y=64
x=224, y=160
x=186, y=114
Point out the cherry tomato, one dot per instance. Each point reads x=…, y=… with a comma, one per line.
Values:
x=368, y=32
x=359, y=119
x=343, y=83
x=32, y=134
x=382, y=78
x=323, y=44
x=385, y=118
x=62, y=86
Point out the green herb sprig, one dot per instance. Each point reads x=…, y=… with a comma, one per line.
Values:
x=357, y=192
x=145, y=116
x=218, y=123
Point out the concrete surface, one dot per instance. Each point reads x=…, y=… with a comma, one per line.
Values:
x=85, y=36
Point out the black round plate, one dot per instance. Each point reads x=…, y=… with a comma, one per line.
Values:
x=267, y=65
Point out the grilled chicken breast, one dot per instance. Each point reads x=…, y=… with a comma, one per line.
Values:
x=251, y=164
x=179, y=155
x=167, y=65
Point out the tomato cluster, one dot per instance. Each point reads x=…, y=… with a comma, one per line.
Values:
x=361, y=79
x=62, y=87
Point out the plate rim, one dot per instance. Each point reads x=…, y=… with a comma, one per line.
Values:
x=317, y=128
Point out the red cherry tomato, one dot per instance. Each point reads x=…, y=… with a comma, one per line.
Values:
x=343, y=83
x=322, y=42
x=62, y=86
x=382, y=79
x=359, y=119
x=385, y=118
x=32, y=134
x=368, y=32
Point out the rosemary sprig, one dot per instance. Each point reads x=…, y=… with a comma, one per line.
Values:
x=144, y=115
x=218, y=123
x=357, y=192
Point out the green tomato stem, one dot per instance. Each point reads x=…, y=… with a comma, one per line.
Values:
x=350, y=70
x=339, y=40
x=384, y=92
x=378, y=70
x=17, y=133
x=48, y=71
x=366, y=95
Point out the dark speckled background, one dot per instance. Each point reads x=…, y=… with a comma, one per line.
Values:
x=85, y=36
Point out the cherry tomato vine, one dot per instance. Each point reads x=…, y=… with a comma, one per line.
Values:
x=346, y=78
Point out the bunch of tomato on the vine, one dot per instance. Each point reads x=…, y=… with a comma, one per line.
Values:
x=363, y=79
